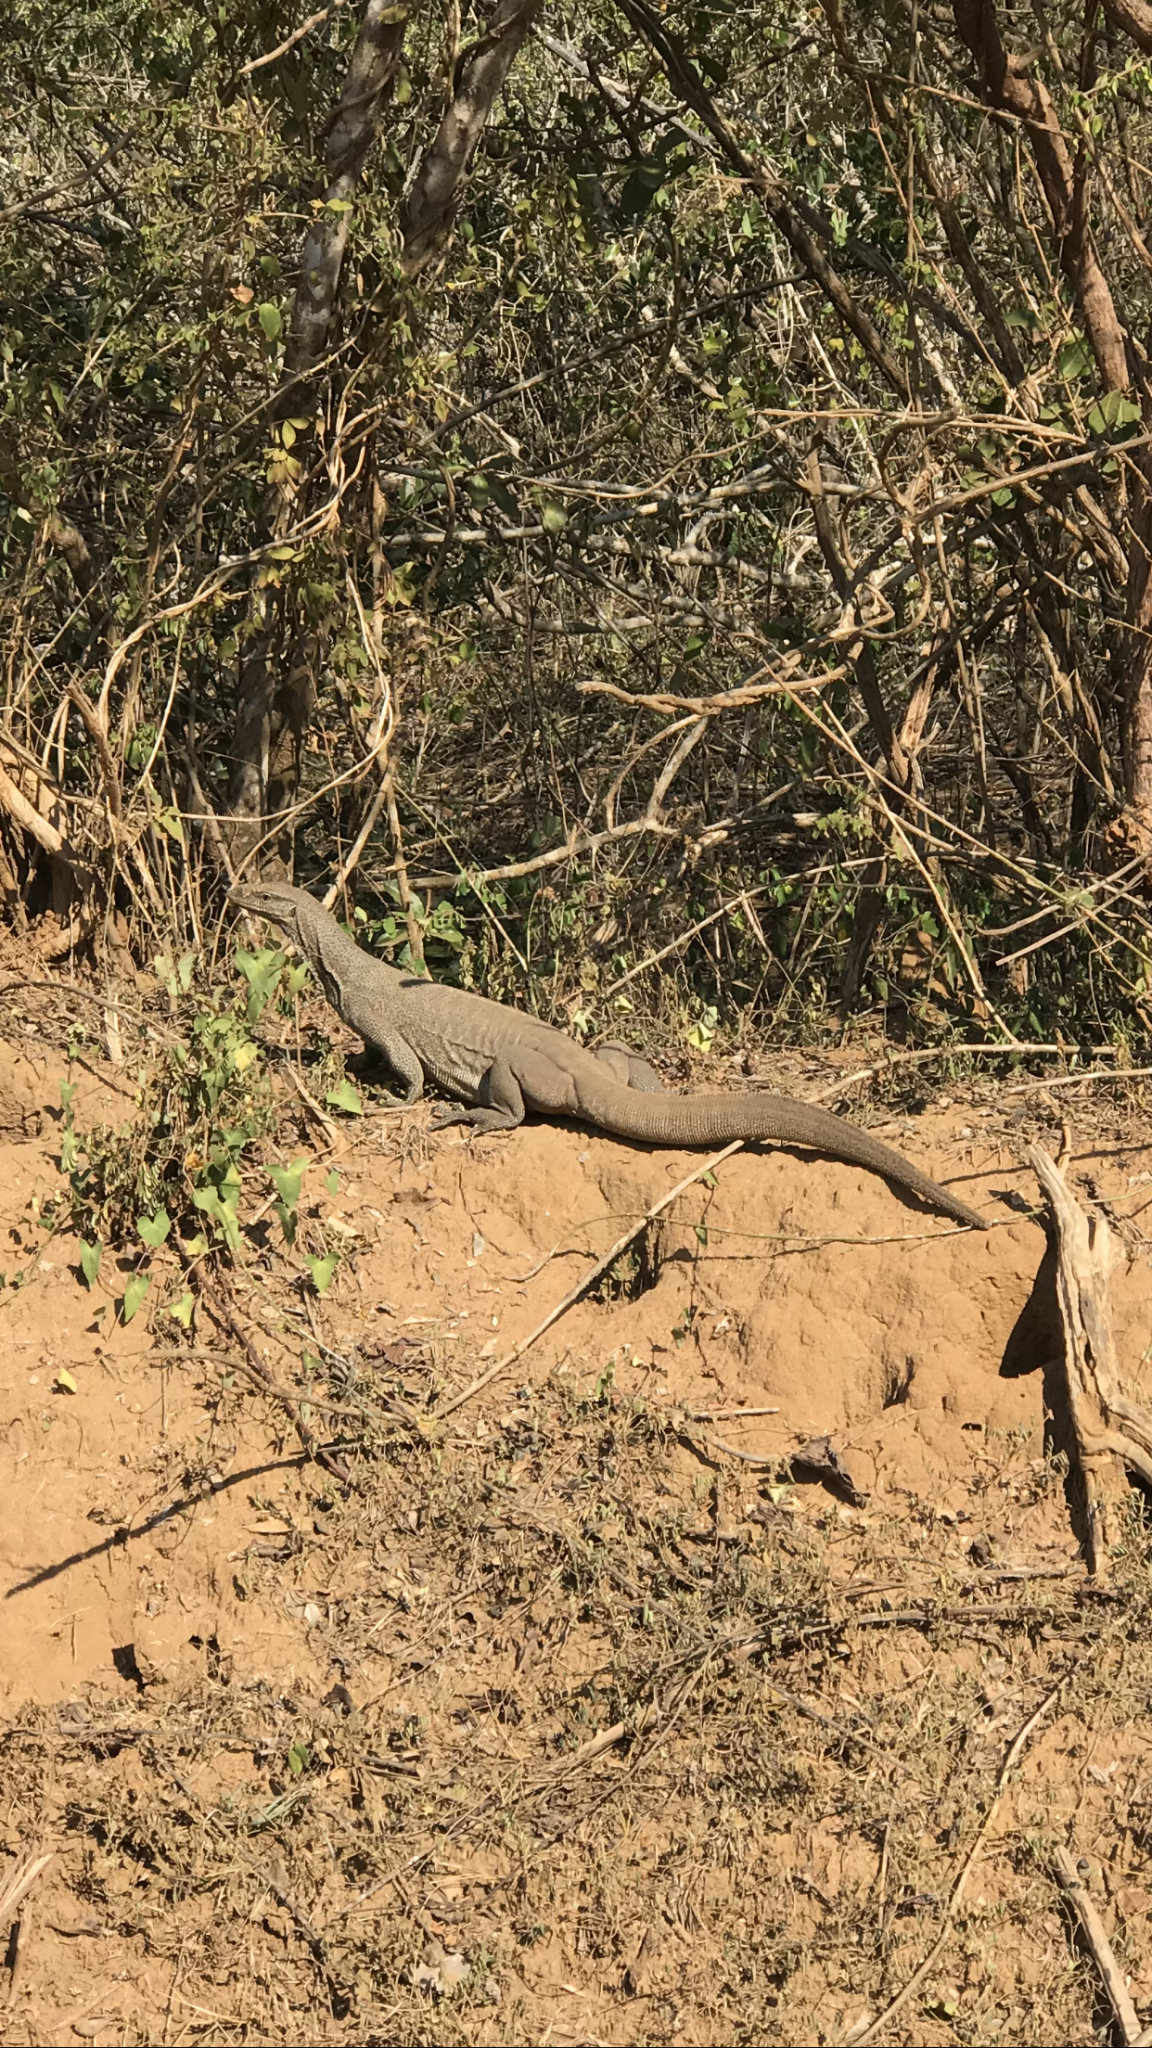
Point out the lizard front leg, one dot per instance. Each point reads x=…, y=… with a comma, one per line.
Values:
x=399, y=1056
x=500, y=1106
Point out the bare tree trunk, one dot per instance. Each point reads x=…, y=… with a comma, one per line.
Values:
x=1136, y=708
x=1135, y=16
x=276, y=687
x=479, y=76
x=1009, y=85
x=367, y=89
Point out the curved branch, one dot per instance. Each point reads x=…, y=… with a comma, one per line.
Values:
x=1010, y=86
x=481, y=70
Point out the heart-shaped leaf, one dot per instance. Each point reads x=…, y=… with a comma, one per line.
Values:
x=134, y=1294
x=287, y=1181
x=154, y=1229
x=322, y=1270
x=345, y=1097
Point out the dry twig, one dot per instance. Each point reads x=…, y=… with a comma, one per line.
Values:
x=224, y=1315
x=1076, y=1891
x=859, y=2038
x=585, y=1283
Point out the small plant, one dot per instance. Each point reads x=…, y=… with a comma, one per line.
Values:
x=287, y=1181
x=176, y=1166
x=441, y=935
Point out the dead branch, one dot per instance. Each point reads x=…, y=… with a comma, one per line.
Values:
x=1112, y=1433
x=859, y=2037
x=1092, y=1927
x=502, y=1364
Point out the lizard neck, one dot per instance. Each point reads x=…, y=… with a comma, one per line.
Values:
x=338, y=963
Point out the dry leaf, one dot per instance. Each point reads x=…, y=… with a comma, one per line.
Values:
x=440, y=1971
x=819, y=1457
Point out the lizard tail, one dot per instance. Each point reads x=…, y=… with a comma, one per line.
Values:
x=717, y=1119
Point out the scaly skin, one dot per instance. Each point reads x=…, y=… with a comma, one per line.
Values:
x=501, y=1062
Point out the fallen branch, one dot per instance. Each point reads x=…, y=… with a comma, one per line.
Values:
x=1092, y=1927
x=363, y=1411
x=15, y=1885
x=832, y=1089
x=582, y=1286
x=19, y=1879
x=223, y=1314
x=859, y=2037
x=1112, y=1433
x=1073, y=1080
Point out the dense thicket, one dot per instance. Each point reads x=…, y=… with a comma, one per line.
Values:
x=577, y=474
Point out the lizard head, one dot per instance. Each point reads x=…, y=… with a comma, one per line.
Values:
x=275, y=900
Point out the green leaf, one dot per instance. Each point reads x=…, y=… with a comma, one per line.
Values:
x=345, y=1097
x=322, y=1270
x=332, y=1182
x=1113, y=410
x=223, y=1214
x=67, y=1092
x=701, y=1230
x=69, y=1150
x=262, y=971
x=553, y=518
x=502, y=496
x=1075, y=358
x=134, y=1294
x=640, y=189
x=64, y=1381
x=170, y=821
x=299, y=1757
x=485, y=488
x=288, y=1221
x=181, y=1310
x=90, y=1257
x=287, y=1181
x=154, y=1229
x=271, y=320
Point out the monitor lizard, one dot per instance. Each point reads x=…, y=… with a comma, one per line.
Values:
x=499, y=1062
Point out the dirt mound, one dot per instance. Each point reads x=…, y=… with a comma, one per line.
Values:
x=585, y=1716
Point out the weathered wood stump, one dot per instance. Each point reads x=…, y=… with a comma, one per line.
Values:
x=1113, y=1435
